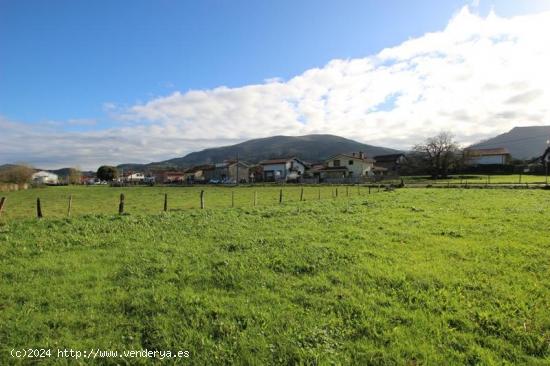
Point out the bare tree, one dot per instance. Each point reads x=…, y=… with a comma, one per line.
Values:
x=439, y=153
x=73, y=176
x=16, y=174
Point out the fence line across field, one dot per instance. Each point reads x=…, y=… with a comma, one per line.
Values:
x=202, y=198
x=255, y=199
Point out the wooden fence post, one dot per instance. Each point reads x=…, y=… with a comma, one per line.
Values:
x=121, y=204
x=302, y=194
x=232, y=199
x=378, y=187
x=319, y=194
x=369, y=189
x=165, y=202
x=202, y=199
x=70, y=205
x=336, y=192
x=38, y=208
x=2, y=202
x=255, y=198
x=281, y=196
x=347, y=191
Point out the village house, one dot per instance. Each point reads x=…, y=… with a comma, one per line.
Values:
x=134, y=178
x=44, y=177
x=390, y=163
x=169, y=177
x=496, y=156
x=352, y=165
x=196, y=174
x=283, y=170
x=229, y=171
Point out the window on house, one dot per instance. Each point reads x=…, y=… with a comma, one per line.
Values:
x=336, y=163
x=350, y=162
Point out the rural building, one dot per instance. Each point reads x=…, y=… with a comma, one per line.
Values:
x=229, y=171
x=497, y=156
x=196, y=174
x=283, y=170
x=348, y=166
x=44, y=177
x=391, y=162
x=134, y=178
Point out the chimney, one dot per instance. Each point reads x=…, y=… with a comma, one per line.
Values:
x=361, y=155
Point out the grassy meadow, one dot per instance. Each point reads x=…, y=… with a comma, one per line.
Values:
x=510, y=179
x=409, y=277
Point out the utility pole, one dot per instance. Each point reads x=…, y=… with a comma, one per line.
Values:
x=237, y=168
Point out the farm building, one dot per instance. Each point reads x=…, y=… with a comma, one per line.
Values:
x=44, y=177
x=497, y=156
x=283, y=170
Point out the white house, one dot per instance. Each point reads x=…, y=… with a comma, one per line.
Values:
x=350, y=165
x=135, y=178
x=44, y=177
x=282, y=170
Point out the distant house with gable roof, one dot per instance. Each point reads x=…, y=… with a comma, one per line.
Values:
x=496, y=156
x=353, y=165
x=283, y=170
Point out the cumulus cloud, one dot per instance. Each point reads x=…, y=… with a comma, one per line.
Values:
x=478, y=77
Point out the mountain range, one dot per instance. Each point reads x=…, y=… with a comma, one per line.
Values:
x=522, y=142
x=310, y=148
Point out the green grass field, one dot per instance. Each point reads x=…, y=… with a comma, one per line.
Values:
x=150, y=200
x=414, y=276
x=479, y=179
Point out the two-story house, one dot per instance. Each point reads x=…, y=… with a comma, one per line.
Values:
x=283, y=170
x=348, y=166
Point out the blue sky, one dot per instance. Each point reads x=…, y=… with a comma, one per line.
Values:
x=83, y=66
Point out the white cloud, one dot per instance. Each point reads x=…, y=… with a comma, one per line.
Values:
x=478, y=77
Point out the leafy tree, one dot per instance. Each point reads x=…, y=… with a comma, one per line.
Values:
x=107, y=172
x=439, y=153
